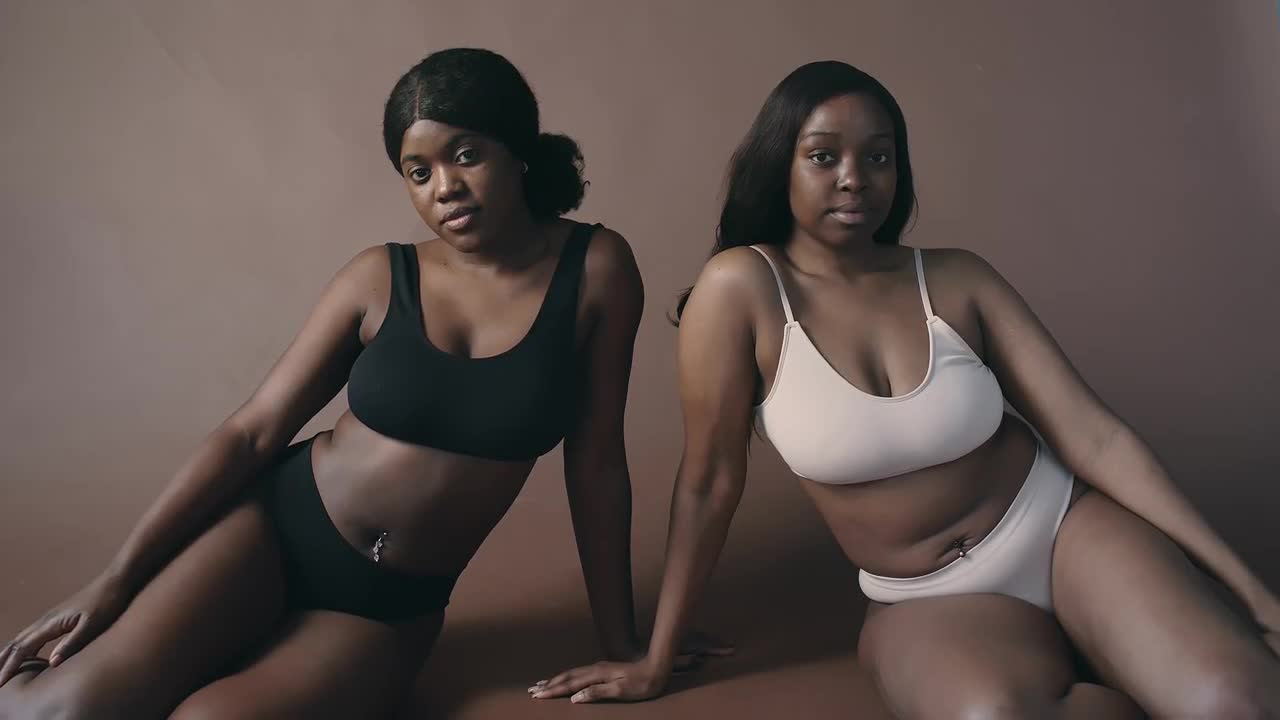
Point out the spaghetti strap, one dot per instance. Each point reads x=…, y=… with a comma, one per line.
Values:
x=782, y=291
x=924, y=290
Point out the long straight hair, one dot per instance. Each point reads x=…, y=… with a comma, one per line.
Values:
x=757, y=208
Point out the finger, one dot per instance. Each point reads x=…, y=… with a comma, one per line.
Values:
x=4, y=658
x=598, y=692
x=14, y=653
x=578, y=680
x=25, y=646
x=558, y=679
x=72, y=643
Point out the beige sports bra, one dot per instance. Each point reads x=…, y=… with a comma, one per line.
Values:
x=831, y=432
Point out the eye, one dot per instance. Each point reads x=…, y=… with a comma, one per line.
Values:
x=821, y=157
x=880, y=158
x=466, y=156
x=419, y=175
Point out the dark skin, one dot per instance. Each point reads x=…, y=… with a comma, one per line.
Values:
x=1124, y=592
x=198, y=586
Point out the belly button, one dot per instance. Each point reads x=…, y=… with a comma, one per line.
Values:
x=959, y=545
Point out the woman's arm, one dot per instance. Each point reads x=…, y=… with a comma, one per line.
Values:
x=717, y=387
x=303, y=380
x=595, y=455
x=307, y=376
x=1092, y=441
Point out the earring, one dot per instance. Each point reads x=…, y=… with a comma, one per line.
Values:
x=526, y=168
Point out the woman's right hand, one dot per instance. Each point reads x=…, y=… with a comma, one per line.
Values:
x=617, y=681
x=77, y=621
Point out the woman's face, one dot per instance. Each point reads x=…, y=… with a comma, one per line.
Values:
x=464, y=185
x=843, y=176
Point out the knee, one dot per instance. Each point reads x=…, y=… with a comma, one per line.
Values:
x=199, y=708
x=1228, y=694
x=995, y=704
x=213, y=705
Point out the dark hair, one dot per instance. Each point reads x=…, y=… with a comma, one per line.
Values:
x=757, y=208
x=481, y=90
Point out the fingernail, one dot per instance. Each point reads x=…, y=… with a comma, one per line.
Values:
x=537, y=695
x=576, y=698
x=53, y=661
x=534, y=688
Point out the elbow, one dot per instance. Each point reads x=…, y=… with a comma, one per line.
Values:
x=1110, y=437
x=714, y=485
x=246, y=438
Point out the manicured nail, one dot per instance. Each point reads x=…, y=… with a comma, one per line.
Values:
x=53, y=661
x=579, y=697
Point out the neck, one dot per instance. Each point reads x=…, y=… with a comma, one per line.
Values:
x=519, y=242
x=857, y=256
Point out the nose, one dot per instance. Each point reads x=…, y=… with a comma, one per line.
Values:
x=852, y=177
x=449, y=184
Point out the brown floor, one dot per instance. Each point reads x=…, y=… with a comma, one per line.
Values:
x=790, y=602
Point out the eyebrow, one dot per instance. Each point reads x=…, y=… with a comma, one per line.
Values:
x=833, y=133
x=453, y=144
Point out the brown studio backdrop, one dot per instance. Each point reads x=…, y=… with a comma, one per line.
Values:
x=179, y=179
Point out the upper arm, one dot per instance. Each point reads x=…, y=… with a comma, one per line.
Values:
x=1035, y=374
x=614, y=296
x=718, y=372
x=317, y=362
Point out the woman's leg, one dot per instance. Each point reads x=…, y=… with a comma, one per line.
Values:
x=215, y=601
x=978, y=656
x=325, y=664
x=1150, y=623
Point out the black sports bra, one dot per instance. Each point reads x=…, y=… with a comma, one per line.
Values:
x=513, y=406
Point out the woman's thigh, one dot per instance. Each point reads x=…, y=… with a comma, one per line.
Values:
x=321, y=664
x=1151, y=623
x=211, y=604
x=978, y=656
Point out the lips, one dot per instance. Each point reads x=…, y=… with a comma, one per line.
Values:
x=849, y=213
x=459, y=217
x=456, y=213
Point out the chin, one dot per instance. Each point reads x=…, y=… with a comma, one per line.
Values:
x=846, y=235
x=464, y=242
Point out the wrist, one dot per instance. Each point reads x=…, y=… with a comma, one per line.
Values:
x=116, y=578
x=658, y=666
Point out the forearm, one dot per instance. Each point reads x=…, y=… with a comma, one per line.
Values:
x=211, y=476
x=601, y=507
x=699, y=524
x=1128, y=471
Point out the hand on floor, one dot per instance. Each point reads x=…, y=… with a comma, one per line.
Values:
x=629, y=681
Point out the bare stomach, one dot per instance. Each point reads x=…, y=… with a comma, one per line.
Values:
x=418, y=509
x=918, y=522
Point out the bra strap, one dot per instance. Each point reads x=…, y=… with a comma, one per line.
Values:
x=782, y=291
x=924, y=290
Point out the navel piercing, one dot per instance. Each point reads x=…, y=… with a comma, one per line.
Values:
x=377, y=547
